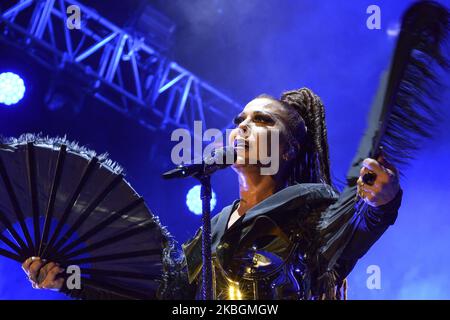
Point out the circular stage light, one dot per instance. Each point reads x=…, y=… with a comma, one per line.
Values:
x=12, y=88
x=194, y=202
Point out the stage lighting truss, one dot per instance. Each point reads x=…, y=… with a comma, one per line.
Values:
x=123, y=71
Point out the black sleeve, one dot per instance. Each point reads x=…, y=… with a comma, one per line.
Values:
x=175, y=285
x=368, y=226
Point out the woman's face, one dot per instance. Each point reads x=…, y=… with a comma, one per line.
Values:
x=260, y=131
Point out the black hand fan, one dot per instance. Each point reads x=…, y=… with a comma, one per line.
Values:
x=404, y=114
x=62, y=203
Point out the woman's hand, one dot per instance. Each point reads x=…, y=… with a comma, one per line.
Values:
x=386, y=184
x=43, y=274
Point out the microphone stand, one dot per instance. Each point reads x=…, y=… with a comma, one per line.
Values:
x=205, y=195
x=203, y=171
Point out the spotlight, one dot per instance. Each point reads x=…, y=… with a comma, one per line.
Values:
x=194, y=202
x=12, y=88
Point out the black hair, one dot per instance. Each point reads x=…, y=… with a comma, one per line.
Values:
x=307, y=135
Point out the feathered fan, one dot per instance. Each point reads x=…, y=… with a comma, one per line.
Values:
x=403, y=115
x=60, y=202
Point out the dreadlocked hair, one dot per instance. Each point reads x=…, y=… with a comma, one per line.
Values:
x=312, y=163
x=306, y=135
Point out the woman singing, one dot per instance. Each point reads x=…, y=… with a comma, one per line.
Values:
x=267, y=244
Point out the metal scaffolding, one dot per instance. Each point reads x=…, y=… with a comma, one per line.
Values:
x=118, y=69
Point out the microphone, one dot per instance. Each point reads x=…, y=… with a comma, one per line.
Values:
x=220, y=158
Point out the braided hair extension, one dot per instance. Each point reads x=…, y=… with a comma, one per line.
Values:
x=307, y=135
x=313, y=162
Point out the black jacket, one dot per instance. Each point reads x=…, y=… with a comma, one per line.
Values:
x=287, y=226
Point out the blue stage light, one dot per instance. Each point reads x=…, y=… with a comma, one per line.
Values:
x=12, y=88
x=194, y=202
